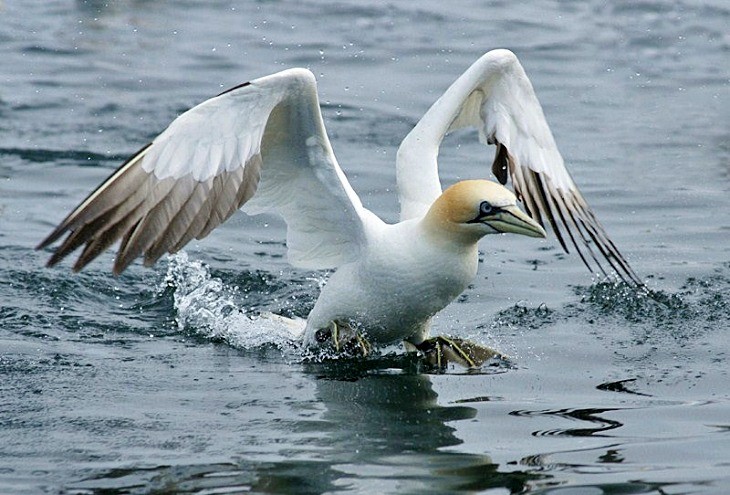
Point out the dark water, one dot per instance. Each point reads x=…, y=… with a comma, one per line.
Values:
x=164, y=381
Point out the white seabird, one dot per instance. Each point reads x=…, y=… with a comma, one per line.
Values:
x=263, y=146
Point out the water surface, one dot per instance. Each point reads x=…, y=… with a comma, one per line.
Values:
x=164, y=381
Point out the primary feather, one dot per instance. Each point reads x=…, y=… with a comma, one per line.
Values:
x=264, y=140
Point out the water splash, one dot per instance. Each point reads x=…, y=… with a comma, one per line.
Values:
x=703, y=302
x=236, y=308
x=212, y=309
x=523, y=316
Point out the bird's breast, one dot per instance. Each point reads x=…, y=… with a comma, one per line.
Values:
x=408, y=280
x=430, y=280
x=396, y=286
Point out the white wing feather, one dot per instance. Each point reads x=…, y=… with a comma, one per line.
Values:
x=495, y=96
x=262, y=141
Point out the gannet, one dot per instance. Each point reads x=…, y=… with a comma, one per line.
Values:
x=262, y=146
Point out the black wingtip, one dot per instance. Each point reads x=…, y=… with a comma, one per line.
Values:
x=587, y=234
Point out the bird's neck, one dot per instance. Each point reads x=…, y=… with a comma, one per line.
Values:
x=439, y=229
x=449, y=258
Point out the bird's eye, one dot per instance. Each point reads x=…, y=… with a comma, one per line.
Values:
x=485, y=208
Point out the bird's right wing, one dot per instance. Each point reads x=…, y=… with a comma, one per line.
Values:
x=262, y=141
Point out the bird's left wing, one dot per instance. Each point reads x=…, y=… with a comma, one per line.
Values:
x=495, y=96
x=262, y=141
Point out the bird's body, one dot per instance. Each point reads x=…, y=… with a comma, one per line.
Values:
x=402, y=279
x=262, y=146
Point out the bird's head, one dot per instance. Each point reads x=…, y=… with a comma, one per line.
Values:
x=471, y=209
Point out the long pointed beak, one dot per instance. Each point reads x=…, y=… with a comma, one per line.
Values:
x=513, y=220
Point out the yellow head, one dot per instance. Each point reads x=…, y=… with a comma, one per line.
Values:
x=471, y=209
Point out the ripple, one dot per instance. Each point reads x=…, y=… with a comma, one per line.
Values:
x=620, y=386
x=210, y=478
x=484, y=398
x=52, y=304
x=78, y=157
x=590, y=415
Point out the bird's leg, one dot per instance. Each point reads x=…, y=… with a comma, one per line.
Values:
x=439, y=351
x=344, y=339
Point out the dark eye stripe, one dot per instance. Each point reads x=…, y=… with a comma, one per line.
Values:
x=486, y=210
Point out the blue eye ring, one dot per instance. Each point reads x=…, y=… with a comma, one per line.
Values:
x=485, y=208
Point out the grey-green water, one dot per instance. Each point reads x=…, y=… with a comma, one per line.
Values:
x=163, y=381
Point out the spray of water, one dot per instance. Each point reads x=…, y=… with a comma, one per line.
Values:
x=209, y=308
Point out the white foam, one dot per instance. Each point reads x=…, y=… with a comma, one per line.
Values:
x=210, y=308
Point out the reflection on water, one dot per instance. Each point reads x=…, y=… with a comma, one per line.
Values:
x=383, y=427
x=391, y=428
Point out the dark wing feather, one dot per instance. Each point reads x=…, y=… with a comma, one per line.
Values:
x=207, y=164
x=567, y=212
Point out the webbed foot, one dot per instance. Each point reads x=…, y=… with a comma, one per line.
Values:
x=439, y=351
x=343, y=339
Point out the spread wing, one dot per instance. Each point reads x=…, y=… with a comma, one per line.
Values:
x=262, y=141
x=495, y=96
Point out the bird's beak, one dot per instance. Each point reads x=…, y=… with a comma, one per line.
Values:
x=511, y=219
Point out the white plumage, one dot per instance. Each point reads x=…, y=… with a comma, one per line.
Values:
x=263, y=146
